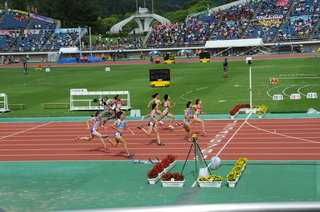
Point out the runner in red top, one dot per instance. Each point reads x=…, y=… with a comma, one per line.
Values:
x=197, y=112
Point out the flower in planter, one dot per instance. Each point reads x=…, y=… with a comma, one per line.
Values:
x=168, y=176
x=242, y=161
x=231, y=176
x=210, y=178
x=237, y=170
x=153, y=173
x=159, y=166
x=263, y=110
x=171, y=158
x=166, y=162
x=237, y=108
x=233, y=112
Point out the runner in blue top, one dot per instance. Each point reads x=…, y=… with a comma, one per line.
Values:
x=96, y=123
x=187, y=121
x=120, y=125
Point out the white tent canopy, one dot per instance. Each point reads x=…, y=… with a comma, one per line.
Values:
x=234, y=43
x=68, y=50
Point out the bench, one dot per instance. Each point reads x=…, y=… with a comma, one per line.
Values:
x=21, y=105
x=45, y=104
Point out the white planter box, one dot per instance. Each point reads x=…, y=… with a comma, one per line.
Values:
x=232, y=184
x=153, y=181
x=233, y=116
x=173, y=164
x=173, y=184
x=207, y=184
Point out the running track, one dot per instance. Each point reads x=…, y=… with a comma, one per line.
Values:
x=277, y=139
x=261, y=139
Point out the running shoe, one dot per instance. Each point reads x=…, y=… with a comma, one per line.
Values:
x=107, y=148
x=190, y=139
x=204, y=132
x=170, y=126
x=160, y=144
x=179, y=124
x=160, y=122
x=130, y=156
x=142, y=118
x=140, y=127
x=77, y=138
x=104, y=136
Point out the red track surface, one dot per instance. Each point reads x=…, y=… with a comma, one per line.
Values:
x=283, y=139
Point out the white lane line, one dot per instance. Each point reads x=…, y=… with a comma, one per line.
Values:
x=234, y=134
x=25, y=130
x=280, y=134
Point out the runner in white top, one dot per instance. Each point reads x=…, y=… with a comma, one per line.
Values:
x=165, y=112
x=156, y=100
x=152, y=125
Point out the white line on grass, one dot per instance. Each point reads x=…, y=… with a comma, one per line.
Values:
x=284, y=90
x=301, y=88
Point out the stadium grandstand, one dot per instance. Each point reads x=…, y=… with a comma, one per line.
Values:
x=274, y=21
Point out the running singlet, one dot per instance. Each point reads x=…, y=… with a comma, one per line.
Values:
x=106, y=106
x=157, y=101
x=166, y=107
x=197, y=110
x=121, y=125
x=118, y=104
x=95, y=124
x=189, y=114
x=154, y=113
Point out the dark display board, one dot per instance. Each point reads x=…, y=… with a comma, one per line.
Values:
x=162, y=74
x=169, y=57
x=204, y=55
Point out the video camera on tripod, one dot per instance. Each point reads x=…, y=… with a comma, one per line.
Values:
x=198, y=157
x=96, y=100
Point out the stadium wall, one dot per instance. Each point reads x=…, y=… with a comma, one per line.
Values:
x=136, y=53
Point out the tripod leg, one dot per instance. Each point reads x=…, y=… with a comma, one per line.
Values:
x=186, y=159
x=195, y=161
x=203, y=159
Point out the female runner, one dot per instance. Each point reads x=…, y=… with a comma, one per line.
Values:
x=165, y=112
x=152, y=125
x=187, y=121
x=156, y=100
x=116, y=104
x=120, y=125
x=197, y=112
x=96, y=123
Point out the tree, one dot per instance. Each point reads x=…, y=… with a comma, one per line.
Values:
x=18, y=4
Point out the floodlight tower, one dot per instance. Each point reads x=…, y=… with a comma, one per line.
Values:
x=249, y=62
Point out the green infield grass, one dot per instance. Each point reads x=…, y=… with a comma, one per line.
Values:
x=189, y=81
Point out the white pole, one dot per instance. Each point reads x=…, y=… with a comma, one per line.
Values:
x=90, y=42
x=137, y=6
x=250, y=82
x=152, y=7
x=80, y=42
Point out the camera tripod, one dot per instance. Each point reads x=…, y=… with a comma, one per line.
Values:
x=197, y=155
